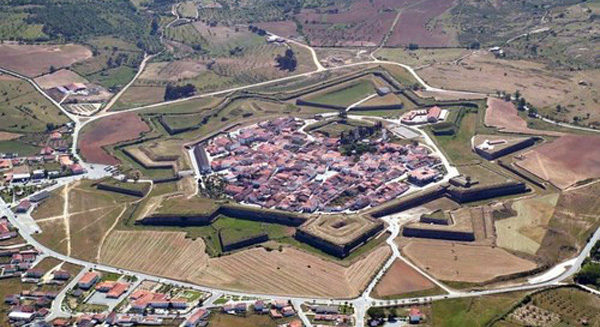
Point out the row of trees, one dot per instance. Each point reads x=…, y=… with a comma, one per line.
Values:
x=173, y=92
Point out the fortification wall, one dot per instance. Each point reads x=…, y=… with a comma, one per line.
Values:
x=451, y=235
x=121, y=190
x=463, y=195
x=227, y=247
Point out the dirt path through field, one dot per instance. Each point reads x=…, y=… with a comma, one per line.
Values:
x=112, y=227
x=66, y=215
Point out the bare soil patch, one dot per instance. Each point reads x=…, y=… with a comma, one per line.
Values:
x=168, y=254
x=59, y=78
x=291, y=272
x=7, y=136
x=503, y=115
x=565, y=161
x=454, y=261
x=400, y=279
x=34, y=60
x=108, y=131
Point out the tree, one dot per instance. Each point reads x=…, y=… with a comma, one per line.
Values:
x=522, y=104
x=288, y=61
x=173, y=92
x=413, y=46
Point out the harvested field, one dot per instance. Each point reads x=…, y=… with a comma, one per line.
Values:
x=34, y=60
x=526, y=231
x=284, y=28
x=359, y=23
x=108, y=131
x=401, y=279
x=139, y=96
x=503, y=115
x=565, y=161
x=417, y=25
x=59, y=78
x=291, y=272
x=172, y=71
x=88, y=230
x=421, y=57
x=168, y=254
x=7, y=136
x=454, y=261
x=575, y=218
x=53, y=235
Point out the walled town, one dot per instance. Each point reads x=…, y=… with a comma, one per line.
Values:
x=276, y=165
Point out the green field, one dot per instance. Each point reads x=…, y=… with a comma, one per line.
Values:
x=24, y=110
x=457, y=147
x=346, y=95
x=476, y=311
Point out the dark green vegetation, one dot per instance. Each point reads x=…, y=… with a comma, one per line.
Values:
x=86, y=19
x=173, y=92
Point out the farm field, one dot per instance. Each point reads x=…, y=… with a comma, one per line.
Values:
x=421, y=57
x=417, y=24
x=53, y=235
x=575, y=218
x=108, y=131
x=139, y=96
x=251, y=320
x=23, y=109
x=476, y=311
x=88, y=229
x=59, y=78
x=290, y=272
x=504, y=116
x=168, y=254
x=400, y=280
x=565, y=161
x=525, y=232
x=453, y=261
x=34, y=60
x=284, y=28
x=569, y=305
x=544, y=88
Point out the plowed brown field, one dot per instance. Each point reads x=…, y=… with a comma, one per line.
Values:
x=108, y=131
x=452, y=261
x=401, y=279
x=34, y=60
x=565, y=161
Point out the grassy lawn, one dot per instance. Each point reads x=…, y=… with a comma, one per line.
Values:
x=22, y=148
x=114, y=77
x=346, y=95
x=458, y=147
x=475, y=311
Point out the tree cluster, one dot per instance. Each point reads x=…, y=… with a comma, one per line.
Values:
x=173, y=92
x=288, y=61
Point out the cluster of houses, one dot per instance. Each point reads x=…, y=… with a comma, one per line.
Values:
x=111, y=319
x=424, y=116
x=26, y=204
x=6, y=230
x=54, y=154
x=141, y=300
x=276, y=165
x=16, y=262
x=276, y=309
x=330, y=314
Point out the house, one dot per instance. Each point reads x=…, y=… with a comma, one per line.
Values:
x=326, y=309
x=423, y=175
x=288, y=311
x=88, y=280
x=34, y=273
x=196, y=318
x=21, y=178
x=295, y=323
x=23, y=206
x=240, y=308
x=415, y=316
x=21, y=316
x=38, y=174
x=46, y=151
x=76, y=169
x=117, y=290
x=259, y=306
x=5, y=163
x=61, y=275
x=105, y=286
